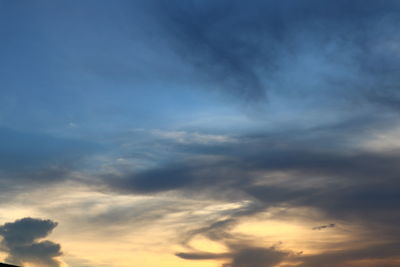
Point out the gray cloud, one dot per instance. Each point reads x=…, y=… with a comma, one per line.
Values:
x=256, y=257
x=245, y=48
x=346, y=257
x=320, y=170
x=201, y=256
x=338, y=54
x=20, y=241
x=30, y=159
x=242, y=256
x=320, y=227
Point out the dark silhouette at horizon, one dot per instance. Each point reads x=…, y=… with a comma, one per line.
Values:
x=7, y=265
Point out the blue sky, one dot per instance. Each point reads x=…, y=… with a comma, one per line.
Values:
x=231, y=134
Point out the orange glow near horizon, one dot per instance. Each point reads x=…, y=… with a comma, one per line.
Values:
x=127, y=244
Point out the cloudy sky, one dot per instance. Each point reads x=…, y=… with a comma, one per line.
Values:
x=200, y=133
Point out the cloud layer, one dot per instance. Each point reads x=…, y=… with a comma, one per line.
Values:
x=197, y=117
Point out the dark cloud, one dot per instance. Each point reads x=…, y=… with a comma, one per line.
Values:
x=256, y=257
x=343, y=185
x=242, y=256
x=201, y=256
x=240, y=162
x=244, y=47
x=156, y=180
x=349, y=257
x=21, y=242
x=340, y=54
x=318, y=168
x=249, y=256
x=320, y=227
x=31, y=159
x=330, y=152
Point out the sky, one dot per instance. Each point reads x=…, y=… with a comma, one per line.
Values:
x=200, y=133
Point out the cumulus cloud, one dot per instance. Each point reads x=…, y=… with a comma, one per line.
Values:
x=22, y=241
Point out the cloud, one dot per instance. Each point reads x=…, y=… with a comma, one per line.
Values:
x=184, y=137
x=304, y=50
x=249, y=49
x=201, y=256
x=353, y=257
x=338, y=55
x=32, y=159
x=256, y=257
x=311, y=168
x=21, y=242
x=242, y=256
x=331, y=225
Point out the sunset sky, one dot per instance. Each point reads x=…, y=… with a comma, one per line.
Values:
x=200, y=133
